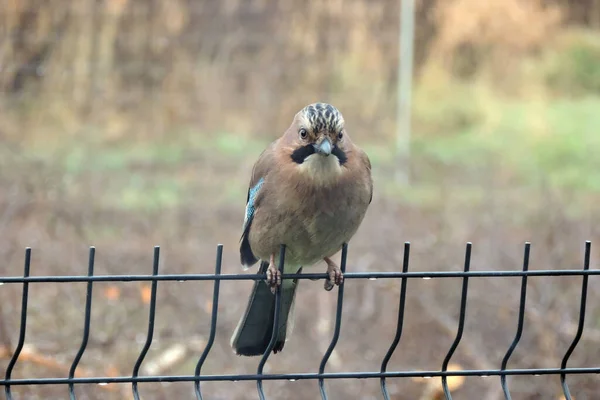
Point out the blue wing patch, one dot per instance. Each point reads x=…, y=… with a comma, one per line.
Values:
x=252, y=193
x=247, y=257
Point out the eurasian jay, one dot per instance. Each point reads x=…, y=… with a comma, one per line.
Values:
x=309, y=191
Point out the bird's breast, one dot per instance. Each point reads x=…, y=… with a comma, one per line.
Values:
x=312, y=221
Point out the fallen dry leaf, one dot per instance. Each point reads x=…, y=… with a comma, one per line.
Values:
x=112, y=371
x=433, y=388
x=145, y=293
x=167, y=359
x=111, y=292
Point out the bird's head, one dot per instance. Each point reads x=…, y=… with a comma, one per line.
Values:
x=318, y=141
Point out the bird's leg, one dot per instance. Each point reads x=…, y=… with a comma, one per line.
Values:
x=334, y=274
x=273, y=275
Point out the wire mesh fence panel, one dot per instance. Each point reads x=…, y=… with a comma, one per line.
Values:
x=562, y=372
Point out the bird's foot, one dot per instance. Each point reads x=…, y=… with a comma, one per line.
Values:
x=334, y=275
x=273, y=275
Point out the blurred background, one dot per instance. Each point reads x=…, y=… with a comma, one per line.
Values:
x=126, y=124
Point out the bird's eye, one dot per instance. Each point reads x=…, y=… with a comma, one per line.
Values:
x=303, y=133
x=340, y=135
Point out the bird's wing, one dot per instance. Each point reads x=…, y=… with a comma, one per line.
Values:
x=259, y=172
x=366, y=163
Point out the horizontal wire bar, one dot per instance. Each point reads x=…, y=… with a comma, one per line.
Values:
x=299, y=376
x=312, y=276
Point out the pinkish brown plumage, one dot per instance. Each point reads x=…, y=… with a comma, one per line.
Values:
x=309, y=190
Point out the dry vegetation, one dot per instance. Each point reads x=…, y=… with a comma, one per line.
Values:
x=125, y=124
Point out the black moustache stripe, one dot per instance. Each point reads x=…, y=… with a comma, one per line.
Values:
x=339, y=153
x=300, y=154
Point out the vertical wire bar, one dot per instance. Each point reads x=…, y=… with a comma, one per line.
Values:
x=461, y=321
x=23, y=327
x=584, y=285
x=213, y=321
x=338, y=324
x=86, y=326
x=267, y=353
x=396, y=340
x=522, y=299
x=151, y=315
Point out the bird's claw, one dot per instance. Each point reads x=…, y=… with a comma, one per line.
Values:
x=273, y=277
x=334, y=276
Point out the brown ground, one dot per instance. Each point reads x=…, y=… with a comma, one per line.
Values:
x=59, y=215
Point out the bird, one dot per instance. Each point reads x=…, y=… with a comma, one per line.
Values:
x=309, y=191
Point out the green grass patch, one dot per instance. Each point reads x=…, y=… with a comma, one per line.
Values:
x=464, y=134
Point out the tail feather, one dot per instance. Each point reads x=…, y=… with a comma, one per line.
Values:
x=254, y=330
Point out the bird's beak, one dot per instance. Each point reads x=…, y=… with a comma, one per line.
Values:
x=324, y=147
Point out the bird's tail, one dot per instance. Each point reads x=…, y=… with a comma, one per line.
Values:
x=253, y=333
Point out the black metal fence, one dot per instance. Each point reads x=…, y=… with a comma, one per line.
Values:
x=562, y=372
